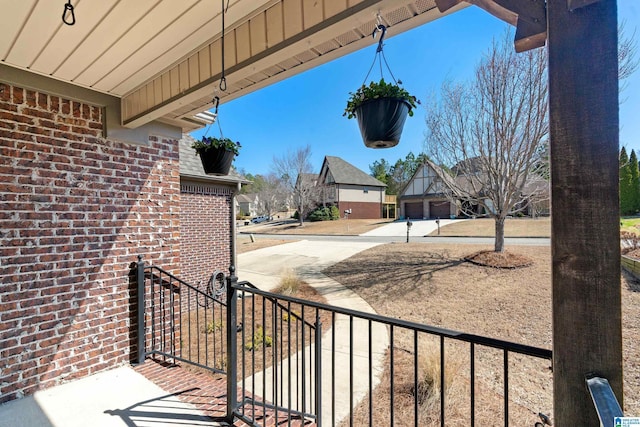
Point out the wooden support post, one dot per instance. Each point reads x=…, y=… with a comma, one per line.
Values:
x=583, y=101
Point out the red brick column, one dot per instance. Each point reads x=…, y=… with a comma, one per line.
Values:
x=76, y=211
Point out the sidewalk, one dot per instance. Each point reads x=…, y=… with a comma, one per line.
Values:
x=263, y=268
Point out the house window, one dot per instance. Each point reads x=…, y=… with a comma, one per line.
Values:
x=365, y=190
x=331, y=192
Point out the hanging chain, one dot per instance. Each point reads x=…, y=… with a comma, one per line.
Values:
x=216, y=102
x=223, y=79
x=379, y=51
x=68, y=13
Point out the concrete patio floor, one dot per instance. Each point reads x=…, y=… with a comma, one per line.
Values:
x=119, y=397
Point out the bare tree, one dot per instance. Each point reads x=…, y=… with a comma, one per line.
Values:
x=490, y=132
x=296, y=173
x=272, y=195
x=627, y=56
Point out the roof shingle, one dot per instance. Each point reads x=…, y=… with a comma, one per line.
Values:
x=345, y=173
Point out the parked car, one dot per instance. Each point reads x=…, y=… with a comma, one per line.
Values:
x=259, y=219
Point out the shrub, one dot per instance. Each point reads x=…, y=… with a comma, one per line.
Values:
x=629, y=241
x=289, y=316
x=324, y=214
x=259, y=337
x=213, y=326
x=289, y=283
x=428, y=383
x=335, y=213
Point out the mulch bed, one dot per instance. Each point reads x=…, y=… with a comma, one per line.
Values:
x=499, y=259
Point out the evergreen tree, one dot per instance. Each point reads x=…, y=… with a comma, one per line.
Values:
x=380, y=171
x=635, y=181
x=626, y=193
x=398, y=174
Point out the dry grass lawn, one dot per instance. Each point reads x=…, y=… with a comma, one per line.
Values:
x=433, y=284
x=481, y=227
x=485, y=227
x=244, y=243
x=348, y=227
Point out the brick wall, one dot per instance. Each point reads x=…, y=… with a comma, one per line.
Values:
x=205, y=231
x=361, y=210
x=76, y=211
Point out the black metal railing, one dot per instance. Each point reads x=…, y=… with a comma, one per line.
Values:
x=367, y=369
x=180, y=322
x=303, y=362
x=279, y=358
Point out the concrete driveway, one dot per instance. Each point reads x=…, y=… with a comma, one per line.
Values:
x=419, y=228
x=264, y=267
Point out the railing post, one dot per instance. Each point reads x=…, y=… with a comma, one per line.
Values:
x=232, y=344
x=140, y=313
x=318, y=372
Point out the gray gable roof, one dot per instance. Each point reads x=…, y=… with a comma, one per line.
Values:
x=191, y=166
x=345, y=173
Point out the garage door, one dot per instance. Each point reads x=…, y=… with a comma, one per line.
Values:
x=413, y=210
x=439, y=209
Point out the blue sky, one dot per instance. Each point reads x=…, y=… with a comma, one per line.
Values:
x=307, y=108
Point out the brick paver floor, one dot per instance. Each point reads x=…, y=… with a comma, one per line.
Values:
x=208, y=393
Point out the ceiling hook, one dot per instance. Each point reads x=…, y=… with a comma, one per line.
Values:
x=68, y=13
x=383, y=31
x=216, y=103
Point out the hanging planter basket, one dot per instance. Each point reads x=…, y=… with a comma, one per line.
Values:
x=381, y=121
x=216, y=161
x=380, y=107
x=216, y=154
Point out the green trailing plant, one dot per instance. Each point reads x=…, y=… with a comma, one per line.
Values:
x=210, y=143
x=375, y=90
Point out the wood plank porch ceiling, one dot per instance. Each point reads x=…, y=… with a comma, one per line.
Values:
x=162, y=58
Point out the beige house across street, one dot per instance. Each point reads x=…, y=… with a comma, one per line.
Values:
x=354, y=192
x=247, y=204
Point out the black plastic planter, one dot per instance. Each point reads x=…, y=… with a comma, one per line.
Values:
x=381, y=121
x=216, y=161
